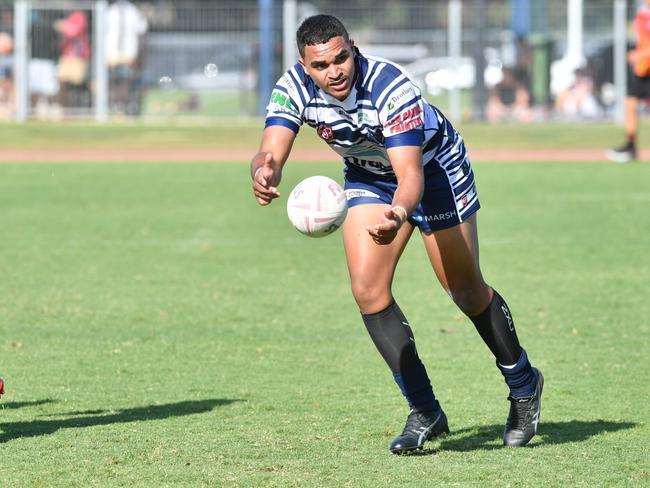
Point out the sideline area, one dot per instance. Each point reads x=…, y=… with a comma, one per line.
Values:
x=189, y=155
x=237, y=140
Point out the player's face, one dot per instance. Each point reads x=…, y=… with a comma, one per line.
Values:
x=331, y=66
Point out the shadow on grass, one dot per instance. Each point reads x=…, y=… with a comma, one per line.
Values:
x=488, y=437
x=35, y=403
x=15, y=430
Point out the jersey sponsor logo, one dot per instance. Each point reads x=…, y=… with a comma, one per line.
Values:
x=358, y=193
x=362, y=118
x=406, y=126
x=325, y=132
x=406, y=120
x=364, y=163
x=282, y=103
x=395, y=98
x=440, y=217
x=286, y=80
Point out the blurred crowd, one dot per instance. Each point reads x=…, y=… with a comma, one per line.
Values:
x=60, y=61
x=61, y=66
x=510, y=97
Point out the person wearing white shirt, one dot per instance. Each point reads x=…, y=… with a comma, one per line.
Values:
x=125, y=29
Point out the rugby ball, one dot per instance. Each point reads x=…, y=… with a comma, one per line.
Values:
x=317, y=206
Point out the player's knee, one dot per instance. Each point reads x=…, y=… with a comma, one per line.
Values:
x=470, y=300
x=368, y=295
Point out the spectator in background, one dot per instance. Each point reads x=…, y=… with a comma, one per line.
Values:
x=6, y=64
x=579, y=100
x=43, y=80
x=75, y=55
x=125, y=31
x=638, y=85
x=509, y=100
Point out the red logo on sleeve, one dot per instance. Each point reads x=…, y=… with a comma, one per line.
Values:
x=406, y=120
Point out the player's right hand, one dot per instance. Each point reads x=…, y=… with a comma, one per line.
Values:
x=265, y=179
x=384, y=232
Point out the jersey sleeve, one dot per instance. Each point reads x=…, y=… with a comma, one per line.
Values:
x=401, y=112
x=286, y=104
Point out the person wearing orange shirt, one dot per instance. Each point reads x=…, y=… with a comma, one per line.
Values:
x=638, y=85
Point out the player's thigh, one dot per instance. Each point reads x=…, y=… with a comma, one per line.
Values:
x=454, y=255
x=371, y=264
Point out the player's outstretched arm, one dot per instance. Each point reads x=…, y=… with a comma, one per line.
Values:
x=407, y=164
x=266, y=165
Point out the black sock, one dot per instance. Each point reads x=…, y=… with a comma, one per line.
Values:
x=497, y=329
x=394, y=340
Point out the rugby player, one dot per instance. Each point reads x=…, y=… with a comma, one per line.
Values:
x=405, y=167
x=638, y=86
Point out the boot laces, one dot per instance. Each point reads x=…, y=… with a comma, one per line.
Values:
x=417, y=421
x=519, y=412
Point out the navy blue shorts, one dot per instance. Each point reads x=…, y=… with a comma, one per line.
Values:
x=449, y=198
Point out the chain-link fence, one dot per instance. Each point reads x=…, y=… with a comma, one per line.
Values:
x=503, y=60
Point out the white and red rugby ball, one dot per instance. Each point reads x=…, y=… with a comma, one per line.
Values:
x=317, y=206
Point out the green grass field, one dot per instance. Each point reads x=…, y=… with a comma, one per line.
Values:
x=245, y=133
x=158, y=328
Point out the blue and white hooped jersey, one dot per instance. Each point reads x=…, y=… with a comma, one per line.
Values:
x=384, y=109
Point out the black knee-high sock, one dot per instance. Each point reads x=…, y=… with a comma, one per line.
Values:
x=393, y=338
x=497, y=329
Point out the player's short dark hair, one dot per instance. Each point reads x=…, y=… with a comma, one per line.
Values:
x=318, y=29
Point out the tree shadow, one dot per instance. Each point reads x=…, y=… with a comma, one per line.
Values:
x=35, y=403
x=34, y=428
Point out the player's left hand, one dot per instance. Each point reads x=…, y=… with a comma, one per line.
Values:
x=384, y=232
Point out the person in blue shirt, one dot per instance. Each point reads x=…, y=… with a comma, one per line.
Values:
x=406, y=167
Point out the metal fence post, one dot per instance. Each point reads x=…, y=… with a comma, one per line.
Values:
x=480, y=91
x=620, y=61
x=454, y=39
x=21, y=55
x=101, y=69
x=265, y=8
x=289, y=28
x=575, y=36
